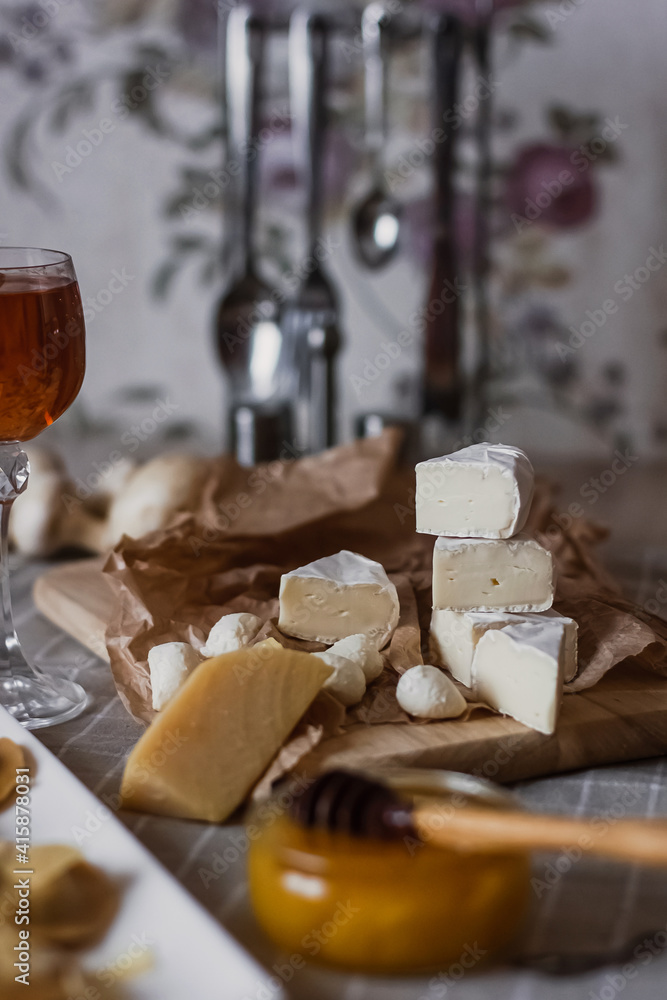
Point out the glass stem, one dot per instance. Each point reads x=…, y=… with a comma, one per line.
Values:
x=10, y=650
x=33, y=699
x=13, y=480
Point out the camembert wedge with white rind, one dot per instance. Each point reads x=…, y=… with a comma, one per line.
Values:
x=483, y=491
x=518, y=671
x=484, y=574
x=455, y=634
x=338, y=596
x=199, y=758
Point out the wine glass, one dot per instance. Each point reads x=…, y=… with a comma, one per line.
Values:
x=42, y=363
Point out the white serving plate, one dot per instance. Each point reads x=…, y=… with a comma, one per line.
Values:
x=192, y=955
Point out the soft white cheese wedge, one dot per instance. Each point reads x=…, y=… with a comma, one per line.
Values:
x=518, y=671
x=338, y=596
x=483, y=491
x=170, y=663
x=230, y=633
x=483, y=574
x=570, y=643
x=455, y=634
x=454, y=637
x=362, y=651
x=426, y=692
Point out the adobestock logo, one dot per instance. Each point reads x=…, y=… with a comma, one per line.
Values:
x=556, y=15
x=581, y=160
x=210, y=190
x=624, y=289
x=454, y=118
x=391, y=350
x=121, y=107
x=616, y=982
x=38, y=17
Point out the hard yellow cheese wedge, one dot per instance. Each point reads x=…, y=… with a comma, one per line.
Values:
x=204, y=751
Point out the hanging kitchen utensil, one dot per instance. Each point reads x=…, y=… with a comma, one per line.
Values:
x=376, y=220
x=443, y=382
x=477, y=396
x=248, y=334
x=311, y=319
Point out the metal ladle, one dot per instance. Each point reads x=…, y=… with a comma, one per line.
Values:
x=376, y=220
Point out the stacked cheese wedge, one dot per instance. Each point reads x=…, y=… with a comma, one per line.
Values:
x=493, y=626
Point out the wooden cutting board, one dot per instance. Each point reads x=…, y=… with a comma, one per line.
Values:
x=624, y=717
x=78, y=599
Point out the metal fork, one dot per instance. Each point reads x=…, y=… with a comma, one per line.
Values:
x=311, y=319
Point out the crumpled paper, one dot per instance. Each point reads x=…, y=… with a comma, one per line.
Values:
x=253, y=525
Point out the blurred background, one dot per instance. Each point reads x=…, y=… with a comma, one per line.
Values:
x=112, y=133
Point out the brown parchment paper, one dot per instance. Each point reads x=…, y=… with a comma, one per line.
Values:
x=251, y=526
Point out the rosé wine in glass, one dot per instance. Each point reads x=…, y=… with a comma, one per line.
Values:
x=42, y=364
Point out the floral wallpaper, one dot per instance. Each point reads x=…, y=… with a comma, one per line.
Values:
x=90, y=86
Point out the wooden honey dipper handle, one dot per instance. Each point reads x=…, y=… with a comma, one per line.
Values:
x=498, y=830
x=354, y=804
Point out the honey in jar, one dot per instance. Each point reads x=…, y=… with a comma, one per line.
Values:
x=382, y=905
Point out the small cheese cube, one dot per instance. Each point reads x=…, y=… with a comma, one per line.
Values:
x=518, y=671
x=483, y=491
x=483, y=574
x=170, y=663
x=426, y=692
x=230, y=633
x=338, y=596
x=455, y=634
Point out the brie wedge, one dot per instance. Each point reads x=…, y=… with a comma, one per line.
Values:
x=518, y=671
x=483, y=491
x=483, y=574
x=455, y=634
x=338, y=596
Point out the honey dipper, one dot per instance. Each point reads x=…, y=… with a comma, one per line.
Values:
x=341, y=801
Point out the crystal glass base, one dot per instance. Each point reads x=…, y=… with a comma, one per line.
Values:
x=38, y=702
x=32, y=698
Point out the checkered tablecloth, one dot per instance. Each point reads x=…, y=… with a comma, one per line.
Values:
x=613, y=917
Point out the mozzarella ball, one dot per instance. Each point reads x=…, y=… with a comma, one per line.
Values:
x=170, y=663
x=363, y=651
x=347, y=682
x=428, y=693
x=230, y=633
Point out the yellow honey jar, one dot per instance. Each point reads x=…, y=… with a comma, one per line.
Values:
x=388, y=905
